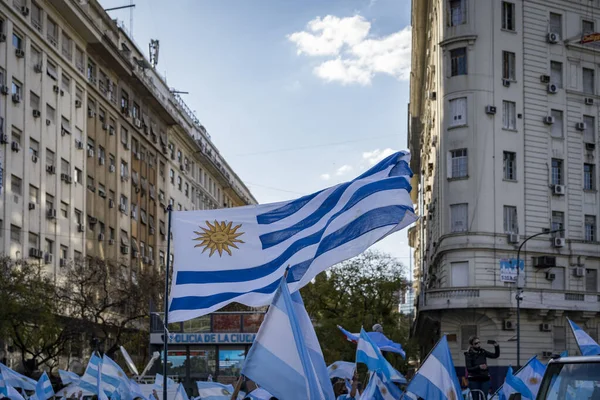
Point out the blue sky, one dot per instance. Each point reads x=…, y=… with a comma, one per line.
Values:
x=297, y=95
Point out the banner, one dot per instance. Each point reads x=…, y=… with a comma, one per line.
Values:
x=590, y=37
x=508, y=270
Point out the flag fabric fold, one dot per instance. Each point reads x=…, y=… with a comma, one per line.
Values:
x=68, y=377
x=214, y=391
x=181, y=394
x=43, y=388
x=16, y=380
x=259, y=394
x=382, y=341
x=436, y=379
x=368, y=353
x=239, y=254
x=286, y=359
x=13, y=394
x=587, y=345
x=159, y=381
x=341, y=369
x=514, y=384
x=379, y=388
x=115, y=377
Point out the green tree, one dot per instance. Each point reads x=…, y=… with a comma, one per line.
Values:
x=356, y=293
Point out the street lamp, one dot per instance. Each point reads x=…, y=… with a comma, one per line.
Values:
x=520, y=289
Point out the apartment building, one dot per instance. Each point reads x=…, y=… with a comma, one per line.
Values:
x=503, y=125
x=94, y=143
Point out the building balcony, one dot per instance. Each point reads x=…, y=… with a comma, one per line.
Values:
x=501, y=297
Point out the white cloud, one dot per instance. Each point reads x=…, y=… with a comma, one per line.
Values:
x=344, y=169
x=325, y=177
x=358, y=57
x=373, y=157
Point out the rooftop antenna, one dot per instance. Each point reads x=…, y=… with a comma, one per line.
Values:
x=154, y=46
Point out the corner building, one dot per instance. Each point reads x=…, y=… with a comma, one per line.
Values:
x=503, y=128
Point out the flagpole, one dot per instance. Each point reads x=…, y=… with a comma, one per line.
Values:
x=238, y=386
x=514, y=374
x=166, y=317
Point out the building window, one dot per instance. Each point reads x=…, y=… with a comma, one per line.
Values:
x=557, y=126
x=78, y=217
x=556, y=73
x=17, y=41
x=34, y=195
x=34, y=240
x=52, y=32
x=588, y=81
x=460, y=274
x=49, y=202
x=124, y=170
x=50, y=114
x=590, y=228
x=558, y=223
x=559, y=334
x=557, y=171
x=591, y=280
x=510, y=166
x=458, y=12
x=91, y=71
x=458, y=61
x=508, y=16
x=67, y=46
x=179, y=183
x=172, y=176
x=66, y=83
x=508, y=66
x=124, y=136
x=509, y=116
x=124, y=102
x=49, y=248
x=17, y=88
x=556, y=24
x=587, y=27
x=589, y=177
x=49, y=157
x=16, y=185
x=34, y=147
x=36, y=17
x=64, y=209
x=15, y=234
x=135, y=111
x=589, y=134
x=36, y=58
x=78, y=178
x=458, y=163
x=64, y=252
x=559, y=282
x=511, y=224
x=466, y=331
x=123, y=201
x=458, y=112
x=459, y=217
x=79, y=59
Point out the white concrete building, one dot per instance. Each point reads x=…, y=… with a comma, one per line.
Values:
x=503, y=125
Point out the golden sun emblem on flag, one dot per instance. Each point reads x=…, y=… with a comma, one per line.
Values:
x=534, y=380
x=219, y=237
x=451, y=395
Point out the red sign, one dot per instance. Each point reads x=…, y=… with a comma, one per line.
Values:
x=590, y=37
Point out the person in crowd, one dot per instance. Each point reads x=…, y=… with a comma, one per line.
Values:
x=477, y=368
x=341, y=392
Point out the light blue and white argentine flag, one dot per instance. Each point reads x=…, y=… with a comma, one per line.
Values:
x=341, y=369
x=2, y=386
x=214, y=391
x=531, y=375
x=159, y=381
x=436, y=379
x=43, y=388
x=239, y=254
x=259, y=394
x=68, y=377
x=513, y=384
x=286, y=358
x=181, y=394
x=379, y=388
x=367, y=352
x=587, y=345
x=113, y=375
x=16, y=380
x=13, y=394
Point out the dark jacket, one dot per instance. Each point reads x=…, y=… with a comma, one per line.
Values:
x=474, y=358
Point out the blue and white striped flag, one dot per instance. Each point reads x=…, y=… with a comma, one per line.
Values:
x=68, y=377
x=214, y=391
x=259, y=394
x=13, y=394
x=43, y=388
x=436, y=379
x=342, y=369
x=159, y=381
x=286, y=358
x=181, y=394
x=531, y=375
x=114, y=376
x=367, y=352
x=16, y=380
x=379, y=388
x=513, y=384
x=89, y=379
x=382, y=341
x=2, y=386
x=99, y=386
x=587, y=345
x=240, y=254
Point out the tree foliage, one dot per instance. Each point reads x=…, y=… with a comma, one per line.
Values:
x=359, y=292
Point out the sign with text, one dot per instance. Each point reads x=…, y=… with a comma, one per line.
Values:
x=508, y=269
x=205, y=338
x=590, y=38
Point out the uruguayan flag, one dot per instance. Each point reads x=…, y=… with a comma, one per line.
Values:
x=286, y=358
x=379, y=388
x=68, y=377
x=259, y=394
x=341, y=369
x=43, y=388
x=587, y=345
x=436, y=379
x=513, y=384
x=379, y=339
x=214, y=391
x=240, y=254
x=367, y=352
x=16, y=380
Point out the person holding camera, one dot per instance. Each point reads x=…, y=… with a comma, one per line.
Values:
x=477, y=369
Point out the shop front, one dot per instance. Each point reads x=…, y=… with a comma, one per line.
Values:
x=213, y=346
